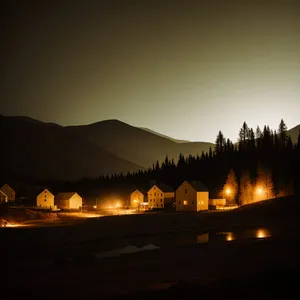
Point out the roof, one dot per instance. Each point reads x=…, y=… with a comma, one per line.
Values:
x=1, y=192
x=197, y=185
x=39, y=191
x=139, y=190
x=65, y=196
x=165, y=188
x=6, y=185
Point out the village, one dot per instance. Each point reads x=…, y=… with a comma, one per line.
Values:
x=190, y=196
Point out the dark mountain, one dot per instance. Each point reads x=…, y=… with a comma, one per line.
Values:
x=47, y=151
x=294, y=132
x=135, y=144
x=164, y=136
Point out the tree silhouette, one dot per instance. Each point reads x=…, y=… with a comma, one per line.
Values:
x=282, y=132
x=230, y=189
x=246, y=189
x=264, y=184
x=220, y=143
x=243, y=136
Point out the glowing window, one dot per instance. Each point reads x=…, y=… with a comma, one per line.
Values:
x=185, y=202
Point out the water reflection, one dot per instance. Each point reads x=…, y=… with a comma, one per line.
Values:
x=229, y=236
x=262, y=233
x=203, y=238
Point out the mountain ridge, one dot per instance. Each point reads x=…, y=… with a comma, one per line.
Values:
x=51, y=151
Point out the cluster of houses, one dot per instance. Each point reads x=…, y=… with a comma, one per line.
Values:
x=190, y=196
x=45, y=199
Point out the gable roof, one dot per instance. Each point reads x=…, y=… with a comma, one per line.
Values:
x=2, y=193
x=197, y=185
x=39, y=191
x=65, y=196
x=137, y=190
x=8, y=186
x=163, y=187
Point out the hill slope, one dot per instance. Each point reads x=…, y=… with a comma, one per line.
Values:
x=135, y=144
x=45, y=151
x=294, y=132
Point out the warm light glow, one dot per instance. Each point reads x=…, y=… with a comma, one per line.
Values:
x=228, y=191
x=117, y=205
x=135, y=201
x=185, y=202
x=262, y=233
x=259, y=190
x=230, y=237
x=95, y=206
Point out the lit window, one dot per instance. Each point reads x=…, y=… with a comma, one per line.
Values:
x=185, y=202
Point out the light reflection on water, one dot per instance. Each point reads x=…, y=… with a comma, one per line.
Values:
x=228, y=236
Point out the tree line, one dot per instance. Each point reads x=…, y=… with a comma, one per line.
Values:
x=262, y=164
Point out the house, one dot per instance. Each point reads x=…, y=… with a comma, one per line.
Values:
x=9, y=192
x=68, y=200
x=136, y=198
x=216, y=203
x=45, y=199
x=160, y=196
x=3, y=197
x=191, y=196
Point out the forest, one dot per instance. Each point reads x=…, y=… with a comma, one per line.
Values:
x=263, y=164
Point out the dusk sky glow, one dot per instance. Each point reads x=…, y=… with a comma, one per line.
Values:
x=182, y=68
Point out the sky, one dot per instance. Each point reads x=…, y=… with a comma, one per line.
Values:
x=186, y=69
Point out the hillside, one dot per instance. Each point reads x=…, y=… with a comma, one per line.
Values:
x=164, y=136
x=50, y=151
x=43, y=151
x=137, y=145
x=294, y=132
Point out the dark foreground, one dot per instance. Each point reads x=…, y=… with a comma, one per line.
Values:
x=64, y=262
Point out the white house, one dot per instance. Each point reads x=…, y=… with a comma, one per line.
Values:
x=45, y=199
x=9, y=192
x=68, y=200
x=3, y=197
x=136, y=198
x=160, y=196
x=192, y=196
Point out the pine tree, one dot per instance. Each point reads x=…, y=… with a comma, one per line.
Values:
x=230, y=189
x=264, y=184
x=282, y=131
x=258, y=136
x=246, y=189
x=243, y=136
x=220, y=143
x=211, y=154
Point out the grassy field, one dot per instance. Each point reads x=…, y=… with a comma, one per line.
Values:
x=61, y=261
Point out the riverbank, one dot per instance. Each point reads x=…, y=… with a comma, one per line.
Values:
x=71, y=254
